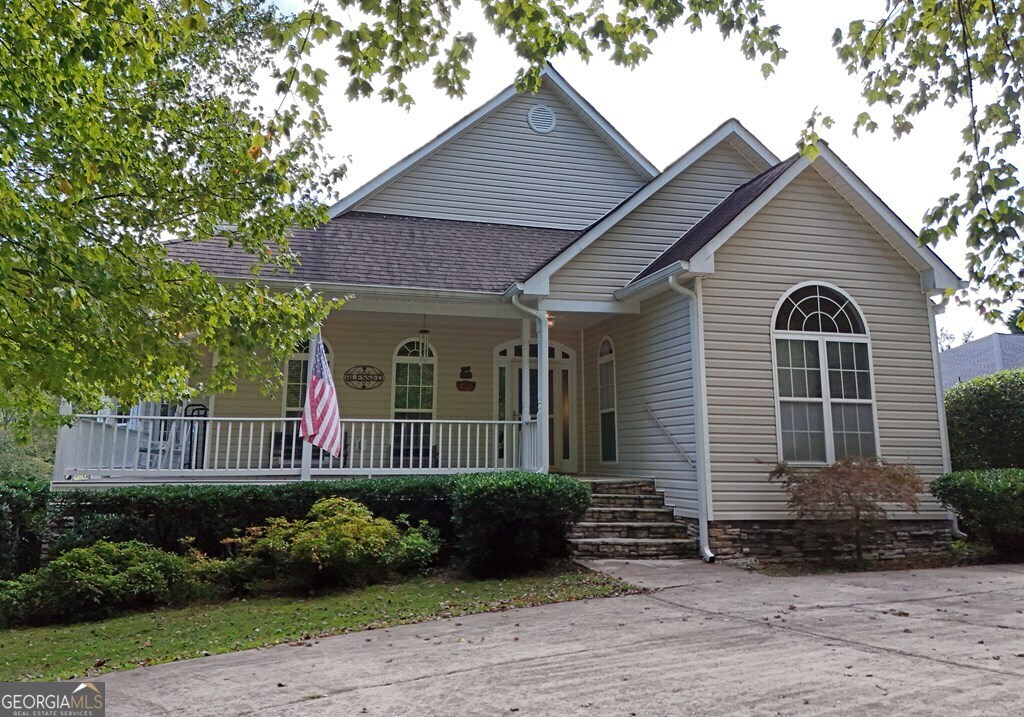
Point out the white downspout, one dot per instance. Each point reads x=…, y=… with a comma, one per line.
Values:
x=542, y=381
x=940, y=399
x=524, y=387
x=306, y=467
x=704, y=510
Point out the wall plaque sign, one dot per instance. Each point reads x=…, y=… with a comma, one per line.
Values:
x=364, y=378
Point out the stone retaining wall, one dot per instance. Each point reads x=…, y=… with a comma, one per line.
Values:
x=777, y=541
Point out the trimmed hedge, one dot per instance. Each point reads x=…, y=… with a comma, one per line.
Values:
x=22, y=525
x=510, y=522
x=496, y=521
x=991, y=503
x=164, y=515
x=985, y=418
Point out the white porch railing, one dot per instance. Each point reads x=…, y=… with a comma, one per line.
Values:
x=183, y=448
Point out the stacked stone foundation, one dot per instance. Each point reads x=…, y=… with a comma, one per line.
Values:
x=781, y=541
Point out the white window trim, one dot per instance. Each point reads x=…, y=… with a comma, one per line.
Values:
x=396, y=359
x=826, y=394
x=300, y=357
x=601, y=360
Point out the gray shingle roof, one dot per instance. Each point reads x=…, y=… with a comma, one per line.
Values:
x=360, y=248
x=996, y=352
x=717, y=219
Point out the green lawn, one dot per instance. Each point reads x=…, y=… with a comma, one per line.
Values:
x=63, y=652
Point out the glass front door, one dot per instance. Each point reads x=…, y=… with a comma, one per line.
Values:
x=561, y=446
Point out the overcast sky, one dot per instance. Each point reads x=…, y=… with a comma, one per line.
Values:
x=690, y=85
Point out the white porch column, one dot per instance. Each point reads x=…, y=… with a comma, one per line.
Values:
x=307, y=447
x=527, y=458
x=543, y=437
x=64, y=435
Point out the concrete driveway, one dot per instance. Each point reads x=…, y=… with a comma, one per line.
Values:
x=708, y=640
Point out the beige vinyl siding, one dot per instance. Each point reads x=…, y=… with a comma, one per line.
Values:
x=502, y=171
x=807, y=233
x=626, y=249
x=358, y=338
x=653, y=367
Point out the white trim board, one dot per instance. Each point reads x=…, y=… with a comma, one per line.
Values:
x=935, y=274
x=561, y=87
x=730, y=131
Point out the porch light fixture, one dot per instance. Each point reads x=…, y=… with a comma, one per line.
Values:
x=424, y=347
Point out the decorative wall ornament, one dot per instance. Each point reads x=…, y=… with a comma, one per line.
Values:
x=465, y=382
x=363, y=378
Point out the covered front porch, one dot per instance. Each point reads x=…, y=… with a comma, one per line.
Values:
x=423, y=387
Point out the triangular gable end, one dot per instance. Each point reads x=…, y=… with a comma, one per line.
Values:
x=547, y=159
x=935, y=274
x=730, y=133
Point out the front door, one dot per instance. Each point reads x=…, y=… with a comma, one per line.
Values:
x=561, y=398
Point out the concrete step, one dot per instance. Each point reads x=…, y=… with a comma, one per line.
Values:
x=635, y=548
x=616, y=500
x=630, y=515
x=625, y=529
x=620, y=486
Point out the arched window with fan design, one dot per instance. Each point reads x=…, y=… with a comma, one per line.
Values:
x=824, y=387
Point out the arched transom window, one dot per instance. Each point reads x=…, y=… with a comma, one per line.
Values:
x=296, y=372
x=607, y=401
x=824, y=388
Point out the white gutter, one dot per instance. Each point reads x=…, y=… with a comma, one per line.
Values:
x=370, y=291
x=647, y=282
x=940, y=399
x=542, y=379
x=704, y=509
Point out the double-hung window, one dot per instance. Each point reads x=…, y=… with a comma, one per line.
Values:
x=607, y=401
x=825, y=396
x=295, y=375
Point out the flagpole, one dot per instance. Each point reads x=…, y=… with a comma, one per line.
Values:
x=307, y=447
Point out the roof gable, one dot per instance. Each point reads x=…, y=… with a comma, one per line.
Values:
x=492, y=166
x=730, y=134
x=717, y=219
x=697, y=246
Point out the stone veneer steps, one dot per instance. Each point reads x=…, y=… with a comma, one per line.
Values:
x=627, y=518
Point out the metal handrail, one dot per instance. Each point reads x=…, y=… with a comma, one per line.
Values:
x=672, y=438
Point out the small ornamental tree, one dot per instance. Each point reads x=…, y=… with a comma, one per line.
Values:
x=845, y=501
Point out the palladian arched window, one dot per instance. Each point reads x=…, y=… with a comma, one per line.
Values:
x=824, y=388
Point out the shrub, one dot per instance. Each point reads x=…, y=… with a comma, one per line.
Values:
x=509, y=522
x=843, y=502
x=985, y=418
x=504, y=520
x=341, y=543
x=22, y=525
x=166, y=515
x=991, y=503
x=97, y=582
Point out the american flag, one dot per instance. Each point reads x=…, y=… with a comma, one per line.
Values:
x=321, y=421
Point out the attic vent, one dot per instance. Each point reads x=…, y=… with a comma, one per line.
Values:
x=541, y=118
